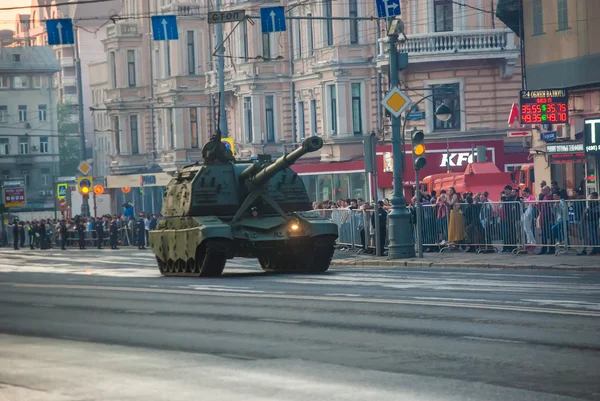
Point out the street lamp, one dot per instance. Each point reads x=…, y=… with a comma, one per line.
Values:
x=443, y=113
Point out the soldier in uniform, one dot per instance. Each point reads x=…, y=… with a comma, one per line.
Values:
x=81, y=233
x=141, y=232
x=15, y=232
x=114, y=233
x=99, y=227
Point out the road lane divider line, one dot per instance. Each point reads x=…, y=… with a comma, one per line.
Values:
x=500, y=340
x=383, y=301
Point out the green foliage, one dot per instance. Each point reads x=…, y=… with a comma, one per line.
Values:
x=68, y=141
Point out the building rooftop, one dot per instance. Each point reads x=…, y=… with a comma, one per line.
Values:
x=30, y=59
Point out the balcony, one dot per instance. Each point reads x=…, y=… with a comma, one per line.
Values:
x=68, y=81
x=451, y=46
x=67, y=62
x=123, y=29
x=127, y=94
x=182, y=9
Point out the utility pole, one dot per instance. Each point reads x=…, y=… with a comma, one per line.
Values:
x=151, y=86
x=85, y=206
x=221, y=75
x=401, y=243
x=292, y=86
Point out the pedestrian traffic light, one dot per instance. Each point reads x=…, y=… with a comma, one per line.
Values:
x=98, y=189
x=84, y=184
x=418, y=149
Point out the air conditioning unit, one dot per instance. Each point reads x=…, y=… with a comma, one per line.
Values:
x=27, y=125
x=34, y=148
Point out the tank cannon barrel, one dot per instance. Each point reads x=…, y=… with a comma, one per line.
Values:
x=309, y=145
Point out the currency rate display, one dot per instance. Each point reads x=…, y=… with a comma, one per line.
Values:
x=549, y=106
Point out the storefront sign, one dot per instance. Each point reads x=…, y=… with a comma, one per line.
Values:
x=137, y=180
x=565, y=148
x=544, y=106
x=548, y=136
x=592, y=136
x=561, y=158
x=14, y=197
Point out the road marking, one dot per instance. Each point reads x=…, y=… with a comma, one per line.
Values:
x=280, y=321
x=342, y=295
x=383, y=301
x=500, y=340
x=140, y=312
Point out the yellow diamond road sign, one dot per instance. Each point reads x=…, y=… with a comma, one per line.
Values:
x=396, y=102
x=84, y=167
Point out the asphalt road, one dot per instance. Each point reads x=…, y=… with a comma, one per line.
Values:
x=73, y=320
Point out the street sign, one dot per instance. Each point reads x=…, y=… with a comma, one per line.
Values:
x=61, y=190
x=415, y=115
x=14, y=197
x=218, y=17
x=388, y=8
x=396, y=102
x=272, y=19
x=60, y=31
x=164, y=27
x=228, y=142
x=84, y=167
x=63, y=204
x=98, y=189
x=84, y=184
x=548, y=136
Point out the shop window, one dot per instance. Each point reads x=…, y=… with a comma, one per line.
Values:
x=448, y=94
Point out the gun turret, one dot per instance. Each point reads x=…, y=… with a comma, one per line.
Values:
x=254, y=176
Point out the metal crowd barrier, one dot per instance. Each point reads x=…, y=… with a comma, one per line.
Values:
x=555, y=227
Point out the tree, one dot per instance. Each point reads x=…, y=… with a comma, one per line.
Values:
x=68, y=140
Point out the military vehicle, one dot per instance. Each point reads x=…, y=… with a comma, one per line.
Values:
x=226, y=208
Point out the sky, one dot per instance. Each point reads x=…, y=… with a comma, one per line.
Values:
x=7, y=18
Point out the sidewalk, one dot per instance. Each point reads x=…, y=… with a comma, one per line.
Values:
x=473, y=260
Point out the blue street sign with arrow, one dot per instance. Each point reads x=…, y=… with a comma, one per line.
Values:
x=60, y=31
x=388, y=8
x=272, y=19
x=164, y=27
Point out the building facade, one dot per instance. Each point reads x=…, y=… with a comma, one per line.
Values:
x=102, y=134
x=563, y=53
x=29, y=146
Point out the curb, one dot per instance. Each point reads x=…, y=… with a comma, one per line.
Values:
x=469, y=265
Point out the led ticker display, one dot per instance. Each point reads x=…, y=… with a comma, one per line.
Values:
x=548, y=106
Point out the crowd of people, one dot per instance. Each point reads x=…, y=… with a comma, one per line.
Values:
x=114, y=231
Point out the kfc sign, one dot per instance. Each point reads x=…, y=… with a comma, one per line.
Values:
x=456, y=159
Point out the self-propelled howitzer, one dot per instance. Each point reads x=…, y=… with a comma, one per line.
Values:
x=226, y=208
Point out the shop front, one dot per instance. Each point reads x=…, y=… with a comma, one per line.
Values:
x=567, y=165
x=445, y=157
x=143, y=191
x=592, y=152
x=333, y=181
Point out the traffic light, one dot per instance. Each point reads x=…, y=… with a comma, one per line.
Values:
x=84, y=185
x=418, y=149
x=98, y=189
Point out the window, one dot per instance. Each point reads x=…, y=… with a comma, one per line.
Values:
x=44, y=144
x=3, y=114
x=131, y=68
x=298, y=33
x=133, y=130
x=157, y=70
x=444, y=15
x=168, y=57
x=563, y=14
x=22, y=113
x=309, y=34
x=4, y=146
x=333, y=108
x=353, y=5
x=113, y=69
x=245, y=40
x=21, y=82
x=266, y=45
x=25, y=175
x=45, y=175
x=248, y=119
x=23, y=146
x=16, y=57
x=538, y=17
x=301, y=123
x=5, y=173
x=313, y=117
x=194, y=126
x=329, y=22
x=42, y=112
x=191, y=53
x=38, y=81
x=4, y=82
x=270, y=117
x=448, y=94
x=117, y=131
x=356, y=109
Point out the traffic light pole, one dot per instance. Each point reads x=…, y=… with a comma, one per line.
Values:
x=419, y=221
x=85, y=206
x=401, y=243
